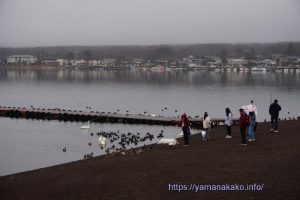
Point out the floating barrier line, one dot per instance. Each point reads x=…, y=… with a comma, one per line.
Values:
x=96, y=116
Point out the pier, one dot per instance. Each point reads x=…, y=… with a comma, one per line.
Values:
x=96, y=116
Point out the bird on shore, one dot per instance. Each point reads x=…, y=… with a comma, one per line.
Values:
x=90, y=144
x=92, y=134
x=64, y=149
x=160, y=135
x=86, y=126
x=88, y=155
x=139, y=151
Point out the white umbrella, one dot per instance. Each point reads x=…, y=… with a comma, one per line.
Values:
x=249, y=108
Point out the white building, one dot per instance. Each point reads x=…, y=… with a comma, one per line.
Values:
x=93, y=62
x=62, y=62
x=236, y=61
x=22, y=59
x=108, y=62
x=78, y=62
x=269, y=62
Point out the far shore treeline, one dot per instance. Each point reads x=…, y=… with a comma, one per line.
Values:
x=153, y=52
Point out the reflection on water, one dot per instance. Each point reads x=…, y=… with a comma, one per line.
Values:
x=138, y=91
x=31, y=144
x=161, y=78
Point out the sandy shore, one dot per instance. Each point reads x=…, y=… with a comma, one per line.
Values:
x=272, y=160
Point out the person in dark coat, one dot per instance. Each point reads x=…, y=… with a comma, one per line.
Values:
x=243, y=124
x=185, y=124
x=274, y=112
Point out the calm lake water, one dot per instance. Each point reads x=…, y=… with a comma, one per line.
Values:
x=31, y=144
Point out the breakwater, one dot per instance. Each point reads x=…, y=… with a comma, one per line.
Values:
x=96, y=116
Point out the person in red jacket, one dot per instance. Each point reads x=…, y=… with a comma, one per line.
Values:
x=185, y=124
x=243, y=123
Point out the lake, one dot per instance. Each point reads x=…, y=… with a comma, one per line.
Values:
x=31, y=144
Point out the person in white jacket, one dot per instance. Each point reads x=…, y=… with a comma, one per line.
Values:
x=228, y=122
x=206, y=126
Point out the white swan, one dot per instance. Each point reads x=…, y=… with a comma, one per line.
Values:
x=102, y=141
x=169, y=141
x=86, y=127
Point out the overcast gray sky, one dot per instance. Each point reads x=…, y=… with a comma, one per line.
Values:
x=131, y=22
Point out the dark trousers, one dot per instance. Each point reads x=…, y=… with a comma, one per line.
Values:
x=255, y=126
x=186, y=135
x=274, y=122
x=228, y=128
x=243, y=134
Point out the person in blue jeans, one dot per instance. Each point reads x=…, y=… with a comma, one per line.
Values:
x=251, y=126
x=206, y=126
x=228, y=122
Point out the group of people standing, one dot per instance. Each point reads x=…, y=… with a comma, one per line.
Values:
x=186, y=124
x=248, y=115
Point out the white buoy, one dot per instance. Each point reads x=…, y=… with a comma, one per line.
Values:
x=102, y=141
x=86, y=127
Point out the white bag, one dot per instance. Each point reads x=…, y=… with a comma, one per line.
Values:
x=180, y=134
x=203, y=133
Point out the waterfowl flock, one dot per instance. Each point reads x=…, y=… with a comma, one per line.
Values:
x=123, y=143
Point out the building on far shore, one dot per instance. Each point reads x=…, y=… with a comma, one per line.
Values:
x=21, y=59
x=236, y=61
x=62, y=62
x=51, y=62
